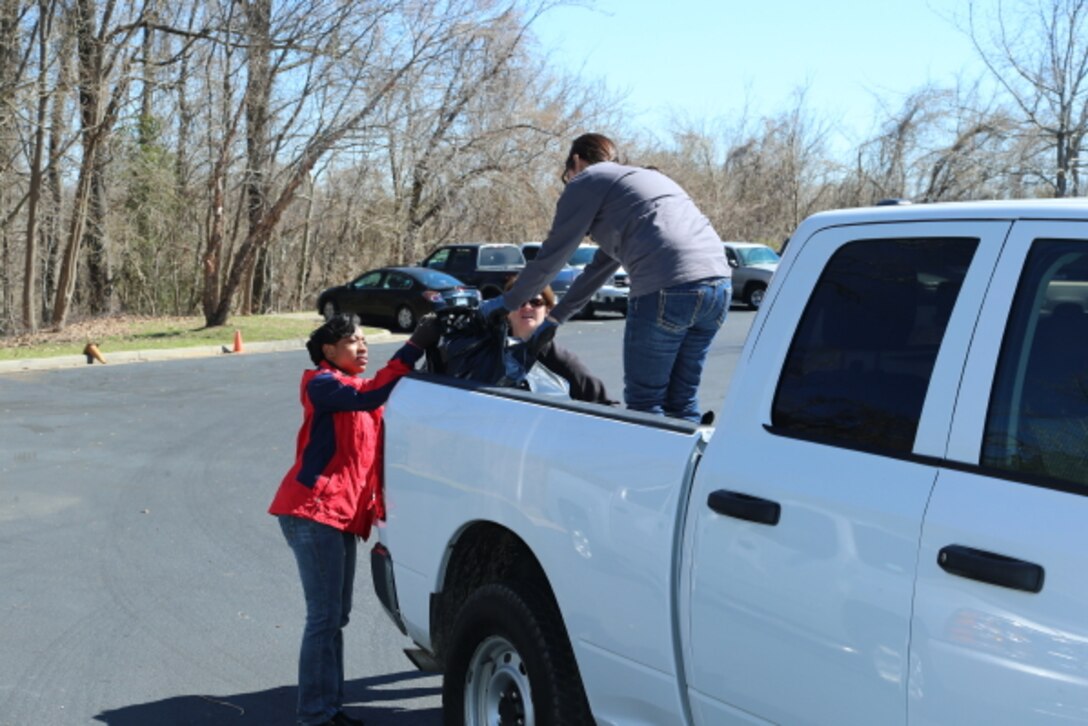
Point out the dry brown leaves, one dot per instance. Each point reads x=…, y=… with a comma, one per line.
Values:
x=87, y=331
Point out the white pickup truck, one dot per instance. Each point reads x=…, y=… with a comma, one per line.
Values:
x=888, y=525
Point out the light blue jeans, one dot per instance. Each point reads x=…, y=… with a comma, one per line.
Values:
x=326, y=566
x=665, y=344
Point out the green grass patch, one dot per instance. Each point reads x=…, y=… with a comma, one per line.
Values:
x=130, y=333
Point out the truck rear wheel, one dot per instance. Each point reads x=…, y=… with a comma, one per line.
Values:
x=510, y=663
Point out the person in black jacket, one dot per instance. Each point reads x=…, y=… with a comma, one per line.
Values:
x=584, y=386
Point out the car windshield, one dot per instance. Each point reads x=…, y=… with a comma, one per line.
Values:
x=500, y=256
x=435, y=280
x=758, y=255
x=582, y=256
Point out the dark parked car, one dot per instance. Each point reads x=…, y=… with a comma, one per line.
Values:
x=484, y=265
x=396, y=297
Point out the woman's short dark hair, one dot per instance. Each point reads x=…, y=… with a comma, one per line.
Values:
x=592, y=149
x=338, y=327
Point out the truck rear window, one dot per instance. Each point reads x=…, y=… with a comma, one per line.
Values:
x=860, y=362
x=501, y=256
x=1037, y=422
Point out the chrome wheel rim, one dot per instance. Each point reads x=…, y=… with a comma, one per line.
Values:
x=757, y=298
x=405, y=318
x=330, y=309
x=497, y=686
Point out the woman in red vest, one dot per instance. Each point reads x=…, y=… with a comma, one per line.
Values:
x=333, y=494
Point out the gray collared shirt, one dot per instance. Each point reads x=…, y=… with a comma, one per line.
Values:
x=640, y=219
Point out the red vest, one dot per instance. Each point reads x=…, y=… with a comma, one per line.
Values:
x=336, y=479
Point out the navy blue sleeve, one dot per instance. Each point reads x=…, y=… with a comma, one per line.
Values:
x=327, y=393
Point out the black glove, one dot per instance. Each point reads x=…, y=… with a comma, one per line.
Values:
x=427, y=333
x=493, y=310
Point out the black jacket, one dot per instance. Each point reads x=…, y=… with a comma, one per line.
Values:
x=584, y=386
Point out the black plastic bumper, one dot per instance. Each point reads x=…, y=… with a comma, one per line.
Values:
x=381, y=573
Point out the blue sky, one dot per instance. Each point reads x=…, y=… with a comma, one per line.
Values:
x=706, y=59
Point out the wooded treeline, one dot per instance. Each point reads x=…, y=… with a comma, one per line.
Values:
x=218, y=157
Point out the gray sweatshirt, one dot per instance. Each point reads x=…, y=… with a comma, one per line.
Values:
x=640, y=219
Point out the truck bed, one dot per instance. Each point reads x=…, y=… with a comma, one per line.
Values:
x=595, y=492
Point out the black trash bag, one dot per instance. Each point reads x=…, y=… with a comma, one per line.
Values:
x=474, y=349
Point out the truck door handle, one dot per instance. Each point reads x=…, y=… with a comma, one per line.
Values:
x=991, y=568
x=744, y=506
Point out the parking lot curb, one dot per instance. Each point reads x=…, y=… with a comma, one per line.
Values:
x=20, y=365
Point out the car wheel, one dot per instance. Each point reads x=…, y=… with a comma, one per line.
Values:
x=588, y=312
x=510, y=662
x=406, y=319
x=329, y=309
x=754, y=296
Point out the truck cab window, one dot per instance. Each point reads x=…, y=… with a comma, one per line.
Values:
x=439, y=259
x=860, y=362
x=1037, y=422
x=461, y=260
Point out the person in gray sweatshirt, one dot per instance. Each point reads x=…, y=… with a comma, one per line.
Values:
x=680, y=281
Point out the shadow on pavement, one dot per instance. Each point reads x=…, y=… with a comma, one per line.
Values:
x=362, y=699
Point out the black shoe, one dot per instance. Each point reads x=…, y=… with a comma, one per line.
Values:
x=342, y=719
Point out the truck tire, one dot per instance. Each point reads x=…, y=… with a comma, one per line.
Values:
x=510, y=662
x=753, y=295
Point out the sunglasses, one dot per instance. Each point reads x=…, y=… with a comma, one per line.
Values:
x=536, y=302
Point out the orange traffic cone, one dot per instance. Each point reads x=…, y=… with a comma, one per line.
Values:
x=237, y=341
x=93, y=354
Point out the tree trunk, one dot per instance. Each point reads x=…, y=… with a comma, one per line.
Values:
x=58, y=122
x=258, y=153
x=66, y=280
x=10, y=72
x=96, y=122
x=216, y=230
x=99, y=269
x=30, y=303
x=303, y=264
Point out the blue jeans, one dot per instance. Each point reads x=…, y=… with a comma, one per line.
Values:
x=326, y=565
x=665, y=345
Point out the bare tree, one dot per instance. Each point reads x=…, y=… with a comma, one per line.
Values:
x=34, y=194
x=941, y=144
x=339, y=66
x=261, y=69
x=472, y=145
x=755, y=179
x=11, y=73
x=105, y=54
x=1038, y=52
